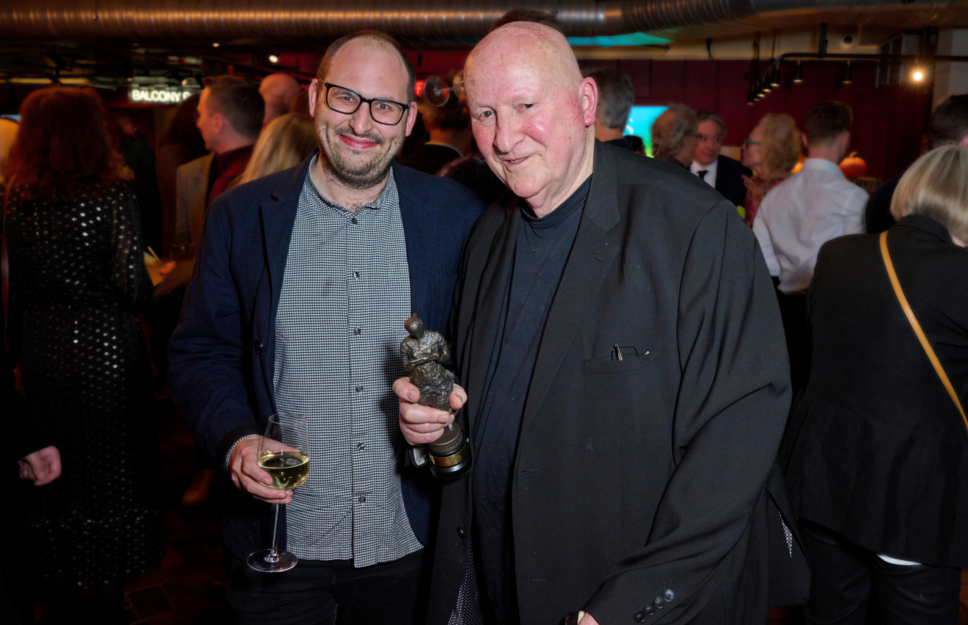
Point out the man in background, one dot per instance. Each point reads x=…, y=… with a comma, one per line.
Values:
x=279, y=92
x=803, y=213
x=230, y=113
x=720, y=172
x=675, y=135
x=949, y=126
x=615, y=100
x=450, y=136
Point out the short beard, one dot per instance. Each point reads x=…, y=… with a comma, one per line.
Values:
x=359, y=177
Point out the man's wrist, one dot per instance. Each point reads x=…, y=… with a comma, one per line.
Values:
x=228, y=456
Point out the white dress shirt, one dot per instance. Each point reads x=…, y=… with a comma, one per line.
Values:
x=711, y=169
x=802, y=213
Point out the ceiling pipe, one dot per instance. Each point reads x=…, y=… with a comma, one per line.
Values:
x=428, y=21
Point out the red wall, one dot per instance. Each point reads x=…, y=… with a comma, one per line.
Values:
x=888, y=121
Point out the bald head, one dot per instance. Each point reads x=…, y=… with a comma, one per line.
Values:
x=279, y=92
x=532, y=113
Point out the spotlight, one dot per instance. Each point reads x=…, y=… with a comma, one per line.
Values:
x=274, y=55
x=184, y=81
x=273, y=58
x=775, y=77
x=918, y=75
x=216, y=44
x=849, y=78
x=798, y=74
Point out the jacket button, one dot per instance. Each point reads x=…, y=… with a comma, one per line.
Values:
x=668, y=595
x=461, y=532
x=639, y=617
x=258, y=347
x=659, y=602
x=649, y=610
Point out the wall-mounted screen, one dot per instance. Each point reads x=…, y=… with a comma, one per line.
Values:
x=640, y=123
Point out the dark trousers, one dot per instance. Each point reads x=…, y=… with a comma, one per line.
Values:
x=848, y=582
x=793, y=311
x=331, y=592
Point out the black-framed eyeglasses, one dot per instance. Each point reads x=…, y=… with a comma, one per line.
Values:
x=347, y=101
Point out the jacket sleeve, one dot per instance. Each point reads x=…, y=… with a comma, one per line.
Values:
x=206, y=351
x=732, y=405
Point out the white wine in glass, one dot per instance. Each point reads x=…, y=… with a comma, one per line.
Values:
x=284, y=455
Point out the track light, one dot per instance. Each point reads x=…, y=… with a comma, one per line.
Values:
x=798, y=73
x=273, y=58
x=216, y=44
x=849, y=78
x=918, y=75
x=775, y=77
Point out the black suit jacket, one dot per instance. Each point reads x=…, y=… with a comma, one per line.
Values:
x=877, y=450
x=729, y=180
x=645, y=479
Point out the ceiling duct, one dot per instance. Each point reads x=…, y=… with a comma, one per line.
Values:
x=431, y=22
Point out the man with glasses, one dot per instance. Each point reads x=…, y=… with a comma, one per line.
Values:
x=302, y=286
x=720, y=172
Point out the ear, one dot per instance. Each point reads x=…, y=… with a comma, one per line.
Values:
x=218, y=122
x=803, y=137
x=313, y=95
x=964, y=142
x=411, y=117
x=588, y=97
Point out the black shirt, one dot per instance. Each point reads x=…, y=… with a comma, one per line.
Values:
x=879, y=217
x=541, y=251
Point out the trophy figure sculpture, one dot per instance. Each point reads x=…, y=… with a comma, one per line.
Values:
x=423, y=351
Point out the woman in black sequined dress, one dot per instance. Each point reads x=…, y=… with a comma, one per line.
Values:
x=77, y=280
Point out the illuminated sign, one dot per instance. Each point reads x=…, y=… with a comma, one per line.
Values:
x=159, y=96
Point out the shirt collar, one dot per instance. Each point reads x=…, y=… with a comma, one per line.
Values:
x=821, y=164
x=696, y=167
x=380, y=202
x=227, y=159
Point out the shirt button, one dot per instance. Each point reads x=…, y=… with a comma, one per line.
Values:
x=359, y=389
x=362, y=499
x=357, y=331
x=356, y=274
x=360, y=446
x=353, y=221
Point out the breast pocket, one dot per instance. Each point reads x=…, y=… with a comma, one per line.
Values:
x=627, y=364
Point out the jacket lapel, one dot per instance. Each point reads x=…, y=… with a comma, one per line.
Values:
x=420, y=232
x=277, y=217
x=488, y=306
x=588, y=264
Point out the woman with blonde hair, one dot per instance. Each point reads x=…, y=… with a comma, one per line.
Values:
x=284, y=143
x=771, y=151
x=875, y=448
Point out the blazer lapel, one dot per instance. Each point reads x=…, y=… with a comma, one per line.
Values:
x=277, y=217
x=488, y=306
x=588, y=264
x=420, y=232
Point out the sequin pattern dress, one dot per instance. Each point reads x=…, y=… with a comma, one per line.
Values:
x=77, y=276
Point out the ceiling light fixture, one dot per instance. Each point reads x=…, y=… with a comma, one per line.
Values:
x=798, y=73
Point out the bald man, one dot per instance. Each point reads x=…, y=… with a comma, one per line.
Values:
x=279, y=91
x=625, y=384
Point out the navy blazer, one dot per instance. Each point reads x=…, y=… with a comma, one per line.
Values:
x=729, y=180
x=222, y=353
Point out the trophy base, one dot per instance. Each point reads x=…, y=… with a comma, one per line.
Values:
x=451, y=466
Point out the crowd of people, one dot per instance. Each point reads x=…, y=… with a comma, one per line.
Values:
x=694, y=387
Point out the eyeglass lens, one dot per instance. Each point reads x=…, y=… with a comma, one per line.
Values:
x=382, y=111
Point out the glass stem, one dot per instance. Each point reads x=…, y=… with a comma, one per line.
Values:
x=273, y=555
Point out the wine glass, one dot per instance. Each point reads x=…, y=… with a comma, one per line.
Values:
x=284, y=455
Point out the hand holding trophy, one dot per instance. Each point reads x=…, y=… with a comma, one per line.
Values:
x=423, y=351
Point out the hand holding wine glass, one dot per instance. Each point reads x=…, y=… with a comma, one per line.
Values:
x=284, y=456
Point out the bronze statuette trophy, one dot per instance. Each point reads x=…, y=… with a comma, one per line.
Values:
x=423, y=351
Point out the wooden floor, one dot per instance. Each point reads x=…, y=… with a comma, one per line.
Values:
x=188, y=587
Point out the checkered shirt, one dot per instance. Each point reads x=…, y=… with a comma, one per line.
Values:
x=345, y=296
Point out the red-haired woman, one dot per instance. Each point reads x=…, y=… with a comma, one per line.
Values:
x=77, y=279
